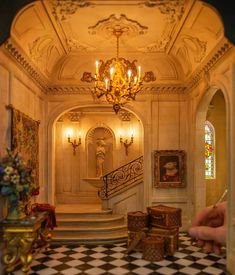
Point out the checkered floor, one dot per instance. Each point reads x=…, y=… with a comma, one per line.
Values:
x=111, y=259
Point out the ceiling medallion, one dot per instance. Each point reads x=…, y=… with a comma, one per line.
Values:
x=106, y=26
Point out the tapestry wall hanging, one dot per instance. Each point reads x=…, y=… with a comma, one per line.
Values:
x=169, y=168
x=25, y=140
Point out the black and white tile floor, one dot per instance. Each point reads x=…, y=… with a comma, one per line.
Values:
x=74, y=259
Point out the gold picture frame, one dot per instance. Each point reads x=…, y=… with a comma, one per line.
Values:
x=169, y=168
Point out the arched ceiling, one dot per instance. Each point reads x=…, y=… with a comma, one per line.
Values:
x=60, y=40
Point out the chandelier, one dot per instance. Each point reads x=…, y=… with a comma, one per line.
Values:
x=118, y=79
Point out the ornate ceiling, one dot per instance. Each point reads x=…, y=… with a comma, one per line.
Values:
x=57, y=41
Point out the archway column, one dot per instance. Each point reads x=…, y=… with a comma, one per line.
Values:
x=231, y=185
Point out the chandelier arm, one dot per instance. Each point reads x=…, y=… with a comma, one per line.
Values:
x=118, y=46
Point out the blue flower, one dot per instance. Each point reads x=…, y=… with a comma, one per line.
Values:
x=6, y=190
x=1, y=170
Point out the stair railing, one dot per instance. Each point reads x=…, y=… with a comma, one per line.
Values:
x=122, y=178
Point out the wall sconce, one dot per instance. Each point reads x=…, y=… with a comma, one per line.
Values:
x=74, y=143
x=126, y=143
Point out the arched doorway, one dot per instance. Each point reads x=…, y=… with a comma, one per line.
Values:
x=212, y=108
x=75, y=178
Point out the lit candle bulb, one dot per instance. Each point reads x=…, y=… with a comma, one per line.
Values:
x=129, y=75
x=106, y=83
x=111, y=73
x=135, y=79
x=139, y=72
x=97, y=68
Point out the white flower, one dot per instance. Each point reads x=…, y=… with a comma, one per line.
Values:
x=8, y=170
x=15, y=179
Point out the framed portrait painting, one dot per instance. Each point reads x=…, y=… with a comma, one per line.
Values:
x=169, y=168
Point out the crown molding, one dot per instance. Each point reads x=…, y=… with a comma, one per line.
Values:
x=206, y=67
x=48, y=88
x=27, y=65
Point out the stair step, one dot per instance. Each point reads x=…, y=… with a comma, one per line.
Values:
x=77, y=213
x=90, y=229
x=88, y=224
x=119, y=238
x=95, y=222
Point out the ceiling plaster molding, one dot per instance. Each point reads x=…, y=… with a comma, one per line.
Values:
x=200, y=74
x=198, y=49
x=174, y=9
x=69, y=90
x=162, y=89
x=75, y=45
x=106, y=27
x=28, y=66
x=39, y=46
x=62, y=10
x=158, y=47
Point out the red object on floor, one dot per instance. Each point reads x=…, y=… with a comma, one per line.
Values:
x=41, y=207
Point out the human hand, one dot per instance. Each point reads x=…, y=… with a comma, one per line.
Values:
x=209, y=228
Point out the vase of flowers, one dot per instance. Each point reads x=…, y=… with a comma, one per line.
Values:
x=17, y=182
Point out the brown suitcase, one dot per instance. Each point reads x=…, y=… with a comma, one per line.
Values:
x=153, y=249
x=170, y=237
x=137, y=221
x=164, y=216
x=135, y=239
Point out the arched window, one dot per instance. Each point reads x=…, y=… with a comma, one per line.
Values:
x=209, y=151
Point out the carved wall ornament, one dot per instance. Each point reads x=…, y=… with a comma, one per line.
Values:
x=60, y=119
x=87, y=77
x=194, y=45
x=149, y=77
x=71, y=116
x=63, y=9
x=74, y=116
x=124, y=115
x=105, y=27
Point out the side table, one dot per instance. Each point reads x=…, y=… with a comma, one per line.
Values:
x=23, y=239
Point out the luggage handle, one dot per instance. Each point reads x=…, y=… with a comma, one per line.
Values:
x=159, y=217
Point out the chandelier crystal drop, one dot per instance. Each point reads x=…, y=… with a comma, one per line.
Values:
x=118, y=79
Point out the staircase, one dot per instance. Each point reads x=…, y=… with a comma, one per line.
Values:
x=89, y=226
x=88, y=223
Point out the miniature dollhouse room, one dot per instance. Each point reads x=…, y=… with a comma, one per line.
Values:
x=111, y=110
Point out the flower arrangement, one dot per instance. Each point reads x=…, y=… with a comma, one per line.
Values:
x=17, y=180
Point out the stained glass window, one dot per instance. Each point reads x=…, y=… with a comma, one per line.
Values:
x=209, y=151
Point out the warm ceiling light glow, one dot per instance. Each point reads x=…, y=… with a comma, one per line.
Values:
x=118, y=79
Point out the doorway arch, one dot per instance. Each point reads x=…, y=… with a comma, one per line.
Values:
x=54, y=116
x=200, y=186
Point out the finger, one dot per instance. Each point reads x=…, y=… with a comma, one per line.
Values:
x=200, y=243
x=216, y=248
x=208, y=246
x=218, y=234
x=202, y=217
